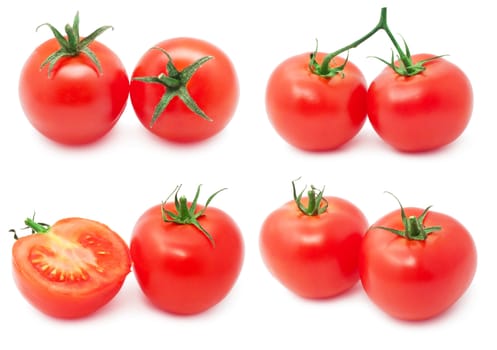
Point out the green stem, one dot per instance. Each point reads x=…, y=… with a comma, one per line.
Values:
x=405, y=68
x=37, y=227
x=175, y=83
x=316, y=204
x=414, y=229
x=187, y=214
x=406, y=59
x=72, y=45
x=382, y=24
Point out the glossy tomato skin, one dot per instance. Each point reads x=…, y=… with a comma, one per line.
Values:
x=75, y=105
x=314, y=256
x=314, y=113
x=177, y=267
x=72, y=271
x=422, y=112
x=417, y=280
x=214, y=87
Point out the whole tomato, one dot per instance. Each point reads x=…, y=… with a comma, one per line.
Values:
x=311, y=244
x=424, y=111
x=313, y=112
x=73, y=90
x=186, y=256
x=184, y=90
x=414, y=264
x=70, y=269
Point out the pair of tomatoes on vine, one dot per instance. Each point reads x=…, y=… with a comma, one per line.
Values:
x=73, y=90
x=319, y=101
x=413, y=263
x=186, y=258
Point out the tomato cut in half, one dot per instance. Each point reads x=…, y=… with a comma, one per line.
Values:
x=72, y=269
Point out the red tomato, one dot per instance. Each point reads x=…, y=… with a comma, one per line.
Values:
x=179, y=269
x=75, y=103
x=424, y=111
x=314, y=113
x=314, y=256
x=416, y=279
x=213, y=87
x=71, y=270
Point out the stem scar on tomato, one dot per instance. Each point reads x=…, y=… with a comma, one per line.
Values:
x=413, y=226
x=72, y=45
x=175, y=83
x=187, y=215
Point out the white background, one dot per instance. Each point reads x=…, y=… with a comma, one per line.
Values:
x=115, y=180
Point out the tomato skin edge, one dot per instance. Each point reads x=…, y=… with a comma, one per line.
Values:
x=66, y=306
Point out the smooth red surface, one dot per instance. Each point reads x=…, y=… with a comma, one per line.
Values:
x=314, y=256
x=177, y=267
x=416, y=280
x=76, y=104
x=214, y=87
x=314, y=113
x=422, y=112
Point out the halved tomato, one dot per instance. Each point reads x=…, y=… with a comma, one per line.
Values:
x=70, y=269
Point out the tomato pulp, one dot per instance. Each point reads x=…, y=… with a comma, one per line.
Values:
x=73, y=269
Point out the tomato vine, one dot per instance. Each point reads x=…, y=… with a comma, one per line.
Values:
x=405, y=66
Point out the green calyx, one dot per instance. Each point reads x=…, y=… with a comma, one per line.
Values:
x=404, y=67
x=324, y=69
x=175, y=83
x=316, y=205
x=187, y=214
x=72, y=45
x=36, y=227
x=414, y=228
